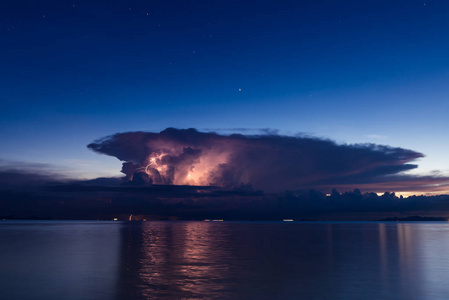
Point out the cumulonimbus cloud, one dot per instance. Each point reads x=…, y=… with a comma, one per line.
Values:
x=268, y=162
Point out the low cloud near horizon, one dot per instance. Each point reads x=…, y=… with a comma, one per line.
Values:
x=189, y=174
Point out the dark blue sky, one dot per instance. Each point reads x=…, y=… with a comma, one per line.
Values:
x=352, y=71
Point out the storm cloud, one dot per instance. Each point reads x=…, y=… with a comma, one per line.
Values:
x=268, y=162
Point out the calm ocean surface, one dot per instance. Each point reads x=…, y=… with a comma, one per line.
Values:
x=223, y=260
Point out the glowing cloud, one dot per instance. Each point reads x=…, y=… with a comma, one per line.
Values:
x=268, y=162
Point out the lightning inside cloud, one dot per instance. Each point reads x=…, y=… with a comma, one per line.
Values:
x=268, y=162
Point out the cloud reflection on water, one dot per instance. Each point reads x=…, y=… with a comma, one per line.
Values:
x=193, y=260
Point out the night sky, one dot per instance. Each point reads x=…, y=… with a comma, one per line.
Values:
x=349, y=71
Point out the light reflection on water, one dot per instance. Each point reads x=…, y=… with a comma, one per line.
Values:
x=225, y=260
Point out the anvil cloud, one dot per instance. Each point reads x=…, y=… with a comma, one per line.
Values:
x=268, y=162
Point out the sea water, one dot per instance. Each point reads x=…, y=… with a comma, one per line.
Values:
x=223, y=260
